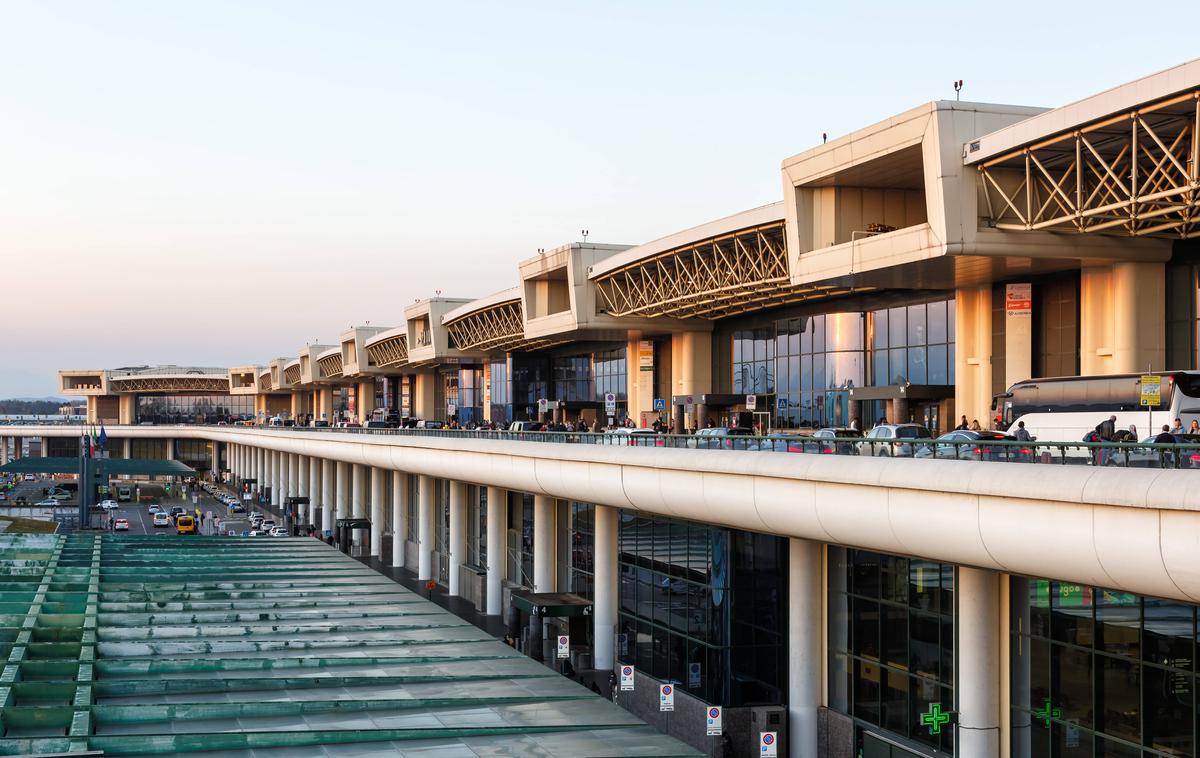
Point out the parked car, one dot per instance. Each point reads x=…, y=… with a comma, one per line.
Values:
x=47, y=503
x=717, y=437
x=109, y=505
x=967, y=445
x=636, y=437
x=894, y=440
x=278, y=531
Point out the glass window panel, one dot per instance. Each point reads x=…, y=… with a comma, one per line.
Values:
x=893, y=635
x=1118, y=623
x=894, y=578
x=895, y=701
x=916, y=325
x=938, y=371
x=1071, y=683
x=1118, y=698
x=818, y=371
x=818, y=326
x=880, y=375
x=864, y=579
x=866, y=690
x=1070, y=741
x=1168, y=636
x=1167, y=723
x=898, y=367
x=1071, y=613
x=897, y=327
x=924, y=647
x=916, y=365
x=923, y=581
x=936, y=314
x=865, y=634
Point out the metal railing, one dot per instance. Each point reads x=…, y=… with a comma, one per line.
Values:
x=1185, y=455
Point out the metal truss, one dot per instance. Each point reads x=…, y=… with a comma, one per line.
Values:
x=169, y=384
x=331, y=366
x=390, y=352
x=499, y=327
x=1132, y=174
x=710, y=279
x=264, y=382
x=291, y=374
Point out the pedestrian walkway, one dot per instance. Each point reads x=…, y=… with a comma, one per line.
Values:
x=169, y=645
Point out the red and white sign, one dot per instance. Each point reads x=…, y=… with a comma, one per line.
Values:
x=666, y=697
x=768, y=745
x=714, y=721
x=1018, y=299
x=564, y=646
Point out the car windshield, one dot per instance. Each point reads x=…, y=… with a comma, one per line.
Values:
x=913, y=432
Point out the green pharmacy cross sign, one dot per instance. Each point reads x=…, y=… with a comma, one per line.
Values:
x=936, y=718
x=1045, y=713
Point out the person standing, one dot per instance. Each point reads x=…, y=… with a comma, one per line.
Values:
x=1178, y=427
x=962, y=425
x=1022, y=433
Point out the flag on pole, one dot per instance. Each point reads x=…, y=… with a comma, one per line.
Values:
x=103, y=437
x=92, y=444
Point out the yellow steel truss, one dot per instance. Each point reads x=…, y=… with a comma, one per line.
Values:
x=390, y=352
x=1132, y=174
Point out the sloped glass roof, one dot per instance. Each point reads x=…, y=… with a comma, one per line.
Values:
x=163, y=645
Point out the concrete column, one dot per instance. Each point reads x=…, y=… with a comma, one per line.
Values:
x=606, y=588
x=343, y=491
x=303, y=489
x=425, y=525
x=691, y=370
x=127, y=448
x=277, y=477
x=314, y=488
x=424, y=396
x=399, y=517
x=1139, y=320
x=358, y=497
x=328, y=480
x=377, y=517
x=293, y=477
x=544, y=559
x=497, y=549
x=458, y=532
x=973, y=353
x=45, y=446
x=168, y=447
x=804, y=646
x=366, y=400
x=978, y=685
x=4, y=450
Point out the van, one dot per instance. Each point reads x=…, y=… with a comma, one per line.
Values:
x=185, y=525
x=124, y=494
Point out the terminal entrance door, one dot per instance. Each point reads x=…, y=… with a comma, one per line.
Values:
x=837, y=408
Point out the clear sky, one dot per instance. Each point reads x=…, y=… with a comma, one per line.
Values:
x=218, y=183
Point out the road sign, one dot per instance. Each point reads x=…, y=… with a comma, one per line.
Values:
x=610, y=404
x=768, y=745
x=542, y=403
x=1151, y=390
x=451, y=409
x=627, y=679
x=666, y=697
x=714, y=721
x=564, y=646
x=751, y=402
x=781, y=404
x=660, y=404
x=694, y=674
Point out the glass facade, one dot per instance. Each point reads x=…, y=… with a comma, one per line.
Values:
x=462, y=388
x=520, y=380
x=572, y=377
x=612, y=372
x=476, y=526
x=194, y=409
x=754, y=361
x=704, y=607
x=1097, y=672
x=818, y=359
x=913, y=344
x=891, y=641
x=583, y=541
x=500, y=391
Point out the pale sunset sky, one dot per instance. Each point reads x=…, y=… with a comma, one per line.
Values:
x=218, y=183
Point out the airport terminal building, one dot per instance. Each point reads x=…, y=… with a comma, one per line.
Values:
x=913, y=272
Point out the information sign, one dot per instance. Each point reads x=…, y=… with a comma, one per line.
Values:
x=627, y=679
x=768, y=745
x=1151, y=390
x=564, y=646
x=660, y=404
x=751, y=402
x=610, y=404
x=714, y=721
x=694, y=674
x=666, y=697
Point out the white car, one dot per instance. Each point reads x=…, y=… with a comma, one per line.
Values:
x=109, y=505
x=278, y=531
x=154, y=508
x=47, y=503
x=268, y=524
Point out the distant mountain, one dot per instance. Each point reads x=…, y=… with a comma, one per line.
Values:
x=47, y=398
x=30, y=406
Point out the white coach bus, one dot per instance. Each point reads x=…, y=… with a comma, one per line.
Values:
x=1065, y=409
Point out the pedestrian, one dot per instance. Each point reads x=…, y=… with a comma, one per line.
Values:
x=1194, y=427
x=1107, y=429
x=962, y=425
x=975, y=425
x=854, y=424
x=1022, y=433
x=1165, y=437
x=1178, y=428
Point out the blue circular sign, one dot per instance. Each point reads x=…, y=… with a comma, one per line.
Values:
x=714, y=712
x=666, y=689
x=768, y=739
x=627, y=671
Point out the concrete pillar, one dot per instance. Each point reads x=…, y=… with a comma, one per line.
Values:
x=366, y=400
x=303, y=489
x=328, y=480
x=544, y=560
x=691, y=370
x=606, y=588
x=277, y=467
x=425, y=525
x=293, y=476
x=44, y=447
x=168, y=448
x=458, y=533
x=3, y=450
x=973, y=353
x=325, y=411
x=424, y=396
x=314, y=488
x=804, y=646
x=358, y=497
x=377, y=515
x=978, y=681
x=399, y=517
x=127, y=448
x=127, y=409
x=343, y=492
x=497, y=548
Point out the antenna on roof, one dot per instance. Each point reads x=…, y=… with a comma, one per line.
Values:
x=957, y=89
x=584, y=232
x=824, y=137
